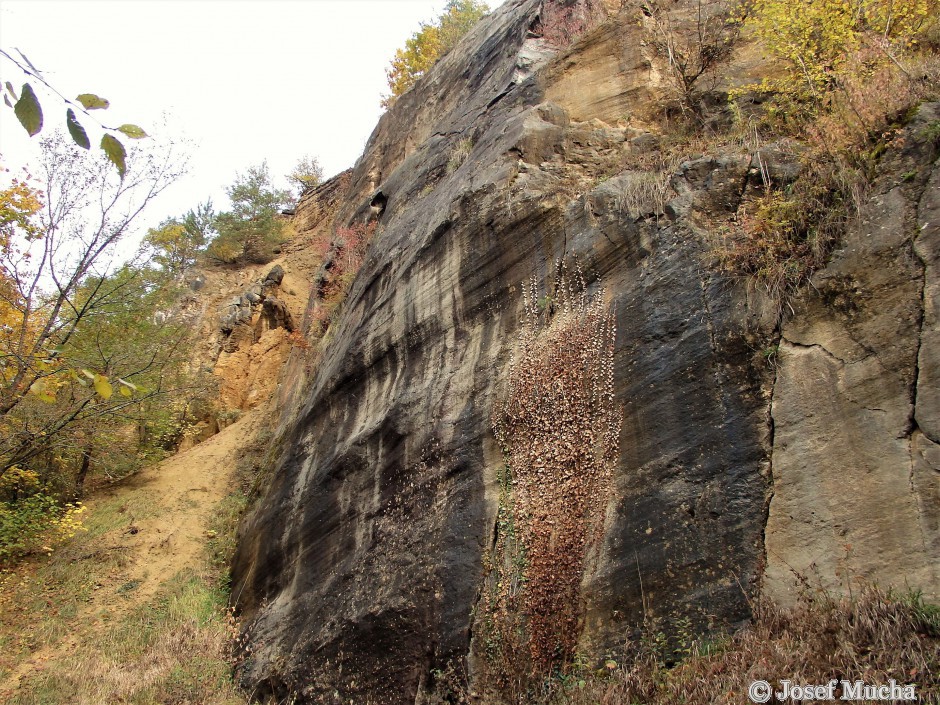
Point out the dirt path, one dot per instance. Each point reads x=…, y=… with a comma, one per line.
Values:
x=157, y=522
x=185, y=489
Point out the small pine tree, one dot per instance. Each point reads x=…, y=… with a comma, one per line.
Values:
x=252, y=229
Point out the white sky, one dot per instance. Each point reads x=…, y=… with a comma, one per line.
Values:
x=243, y=80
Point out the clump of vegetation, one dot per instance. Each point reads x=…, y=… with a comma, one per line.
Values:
x=306, y=175
x=253, y=228
x=178, y=242
x=459, y=154
x=817, y=42
x=695, y=50
x=643, y=193
x=342, y=255
x=32, y=521
x=172, y=646
x=782, y=236
x=429, y=44
x=844, y=75
x=874, y=637
x=90, y=374
x=850, y=73
x=558, y=426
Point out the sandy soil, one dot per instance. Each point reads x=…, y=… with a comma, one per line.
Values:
x=176, y=499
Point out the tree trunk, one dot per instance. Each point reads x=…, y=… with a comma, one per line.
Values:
x=83, y=472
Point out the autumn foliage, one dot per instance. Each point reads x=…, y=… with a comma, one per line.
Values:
x=558, y=425
x=429, y=44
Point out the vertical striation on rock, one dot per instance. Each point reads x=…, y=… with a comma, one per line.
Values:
x=359, y=573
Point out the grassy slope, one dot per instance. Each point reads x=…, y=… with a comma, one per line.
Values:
x=133, y=610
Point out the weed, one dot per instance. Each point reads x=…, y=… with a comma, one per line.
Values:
x=459, y=154
x=875, y=636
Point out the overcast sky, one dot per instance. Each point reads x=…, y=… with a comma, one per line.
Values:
x=244, y=81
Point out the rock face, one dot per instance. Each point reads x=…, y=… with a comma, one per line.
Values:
x=361, y=571
x=855, y=424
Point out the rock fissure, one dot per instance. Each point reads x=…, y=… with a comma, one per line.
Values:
x=771, y=430
x=819, y=346
x=922, y=318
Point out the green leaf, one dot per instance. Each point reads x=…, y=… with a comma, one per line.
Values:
x=103, y=387
x=10, y=89
x=115, y=152
x=132, y=131
x=125, y=392
x=90, y=101
x=28, y=110
x=77, y=131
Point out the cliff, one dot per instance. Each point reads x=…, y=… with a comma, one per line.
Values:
x=758, y=446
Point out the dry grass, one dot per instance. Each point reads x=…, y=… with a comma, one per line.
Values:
x=874, y=637
x=58, y=645
x=644, y=193
x=173, y=649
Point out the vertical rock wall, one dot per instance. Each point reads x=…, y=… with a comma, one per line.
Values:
x=360, y=571
x=856, y=485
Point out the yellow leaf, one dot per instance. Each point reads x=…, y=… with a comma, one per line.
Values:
x=103, y=387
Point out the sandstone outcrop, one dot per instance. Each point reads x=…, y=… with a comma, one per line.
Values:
x=360, y=572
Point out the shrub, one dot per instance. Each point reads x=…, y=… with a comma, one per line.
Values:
x=459, y=154
x=694, y=48
x=36, y=523
x=814, y=39
x=874, y=636
x=783, y=236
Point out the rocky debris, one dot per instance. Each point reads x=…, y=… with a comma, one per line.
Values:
x=236, y=310
x=239, y=310
x=274, y=277
x=276, y=315
x=255, y=293
x=196, y=282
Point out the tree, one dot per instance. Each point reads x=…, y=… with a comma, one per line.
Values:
x=28, y=111
x=177, y=241
x=144, y=358
x=306, y=175
x=85, y=213
x=253, y=228
x=429, y=44
x=814, y=39
x=694, y=48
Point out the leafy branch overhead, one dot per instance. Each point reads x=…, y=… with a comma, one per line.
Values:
x=28, y=111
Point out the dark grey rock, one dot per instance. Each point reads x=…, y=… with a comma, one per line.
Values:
x=275, y=276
